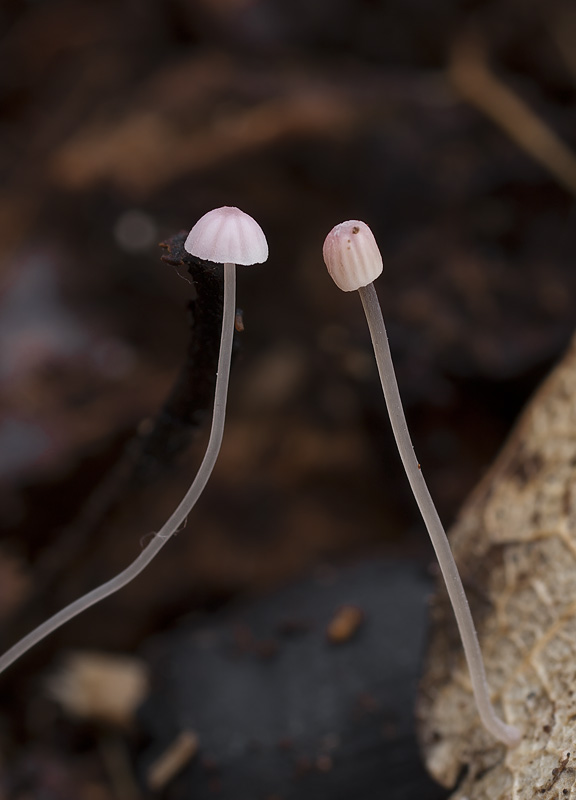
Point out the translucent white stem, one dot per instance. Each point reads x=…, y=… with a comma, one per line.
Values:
x=180, y=514
x=508, y=734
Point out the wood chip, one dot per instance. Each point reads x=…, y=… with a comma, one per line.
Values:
x=345, y=624
x=179, y=753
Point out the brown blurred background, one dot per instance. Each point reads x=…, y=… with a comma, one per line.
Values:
x=447, y=126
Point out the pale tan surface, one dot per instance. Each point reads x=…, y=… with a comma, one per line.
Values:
x=515, y=542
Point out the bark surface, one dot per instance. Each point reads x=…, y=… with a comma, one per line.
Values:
x=515, y=542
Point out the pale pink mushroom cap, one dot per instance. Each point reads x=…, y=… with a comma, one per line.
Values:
x=352, y=255
x=227, y=236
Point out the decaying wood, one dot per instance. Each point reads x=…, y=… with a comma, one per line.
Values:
x=515, y=542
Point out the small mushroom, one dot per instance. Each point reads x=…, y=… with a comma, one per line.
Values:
x=225, y=235
x=228, y=235
x=354, y=262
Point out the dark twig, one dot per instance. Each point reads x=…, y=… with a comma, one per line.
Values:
x=183, y=412
x=156, y=445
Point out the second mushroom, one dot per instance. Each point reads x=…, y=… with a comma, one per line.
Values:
x=354, y=261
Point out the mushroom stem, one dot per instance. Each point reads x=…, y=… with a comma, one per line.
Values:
x=508, y=734
x=187, y=504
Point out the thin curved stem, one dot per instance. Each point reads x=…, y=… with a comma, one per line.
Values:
x=179, y=515
x=508, y=734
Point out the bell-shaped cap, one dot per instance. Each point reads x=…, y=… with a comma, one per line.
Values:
x=352, y=255
x=227, y=236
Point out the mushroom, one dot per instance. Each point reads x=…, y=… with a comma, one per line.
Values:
x=227, y=236
x=354, y=262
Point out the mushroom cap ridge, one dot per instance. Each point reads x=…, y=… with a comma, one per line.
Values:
x=227, y=236
x=352, y=255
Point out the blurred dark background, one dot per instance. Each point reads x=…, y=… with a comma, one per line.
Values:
x=121, y=123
